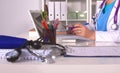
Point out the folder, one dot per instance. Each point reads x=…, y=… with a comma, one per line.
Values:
x=63, y=10
x=51, y=10
x=92, y=51
x=57, y=10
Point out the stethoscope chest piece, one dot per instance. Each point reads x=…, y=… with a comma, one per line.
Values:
x=13, y=55
x=114, y=27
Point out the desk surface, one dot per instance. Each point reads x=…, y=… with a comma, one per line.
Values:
x=64, y=65
x=71, y=61
x=78, y=60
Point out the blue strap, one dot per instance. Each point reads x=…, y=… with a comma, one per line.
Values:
x=9, y=42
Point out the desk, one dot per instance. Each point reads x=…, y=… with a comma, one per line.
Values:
x=64, y=65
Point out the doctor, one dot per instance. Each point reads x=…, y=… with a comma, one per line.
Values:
x=107, y=23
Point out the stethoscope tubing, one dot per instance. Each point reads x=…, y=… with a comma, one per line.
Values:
x=116, y=13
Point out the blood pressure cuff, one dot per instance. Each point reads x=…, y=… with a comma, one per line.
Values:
x=9, y=42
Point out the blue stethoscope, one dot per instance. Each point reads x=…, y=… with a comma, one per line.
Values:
x=114, y=26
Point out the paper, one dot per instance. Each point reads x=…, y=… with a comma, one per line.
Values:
x=25, y=54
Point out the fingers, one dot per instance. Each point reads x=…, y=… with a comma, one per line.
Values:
x=78, y=25
x=77, y=32
x=78, y=29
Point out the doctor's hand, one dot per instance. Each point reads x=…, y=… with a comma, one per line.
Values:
x=81, y=30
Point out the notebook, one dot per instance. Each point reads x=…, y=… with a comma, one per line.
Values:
x=91, y=49
x=101, y=51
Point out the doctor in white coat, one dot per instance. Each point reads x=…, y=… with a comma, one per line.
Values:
x=107, y=27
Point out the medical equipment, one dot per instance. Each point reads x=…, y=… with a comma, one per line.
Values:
x=114, y=26
x=9, y=42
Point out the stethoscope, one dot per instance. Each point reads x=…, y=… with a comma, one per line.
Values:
x=114, y=26
x=56, y=50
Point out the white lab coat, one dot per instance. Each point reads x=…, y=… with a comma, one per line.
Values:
x=110, y=35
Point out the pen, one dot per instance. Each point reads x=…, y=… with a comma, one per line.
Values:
x=46, y=37
x=56, y=23
x=45, y=25
x=53, y=32
x=69, y=27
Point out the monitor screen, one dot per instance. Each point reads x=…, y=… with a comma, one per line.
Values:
x=36, y=17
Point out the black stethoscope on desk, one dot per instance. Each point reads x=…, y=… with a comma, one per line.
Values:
x=114, y=26
x=12, y=56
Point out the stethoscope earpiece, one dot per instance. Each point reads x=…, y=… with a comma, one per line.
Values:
x=13, y=55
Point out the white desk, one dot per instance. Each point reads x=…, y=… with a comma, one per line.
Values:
x=64, y=65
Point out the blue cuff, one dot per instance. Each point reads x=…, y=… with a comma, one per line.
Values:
x=9, y=42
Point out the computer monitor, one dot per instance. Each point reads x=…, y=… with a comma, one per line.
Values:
x=48, y=36
x=36, y=18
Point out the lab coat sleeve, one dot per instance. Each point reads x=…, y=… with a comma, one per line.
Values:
x=112, y=36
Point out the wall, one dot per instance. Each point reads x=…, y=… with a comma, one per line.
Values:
x=14, y=17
